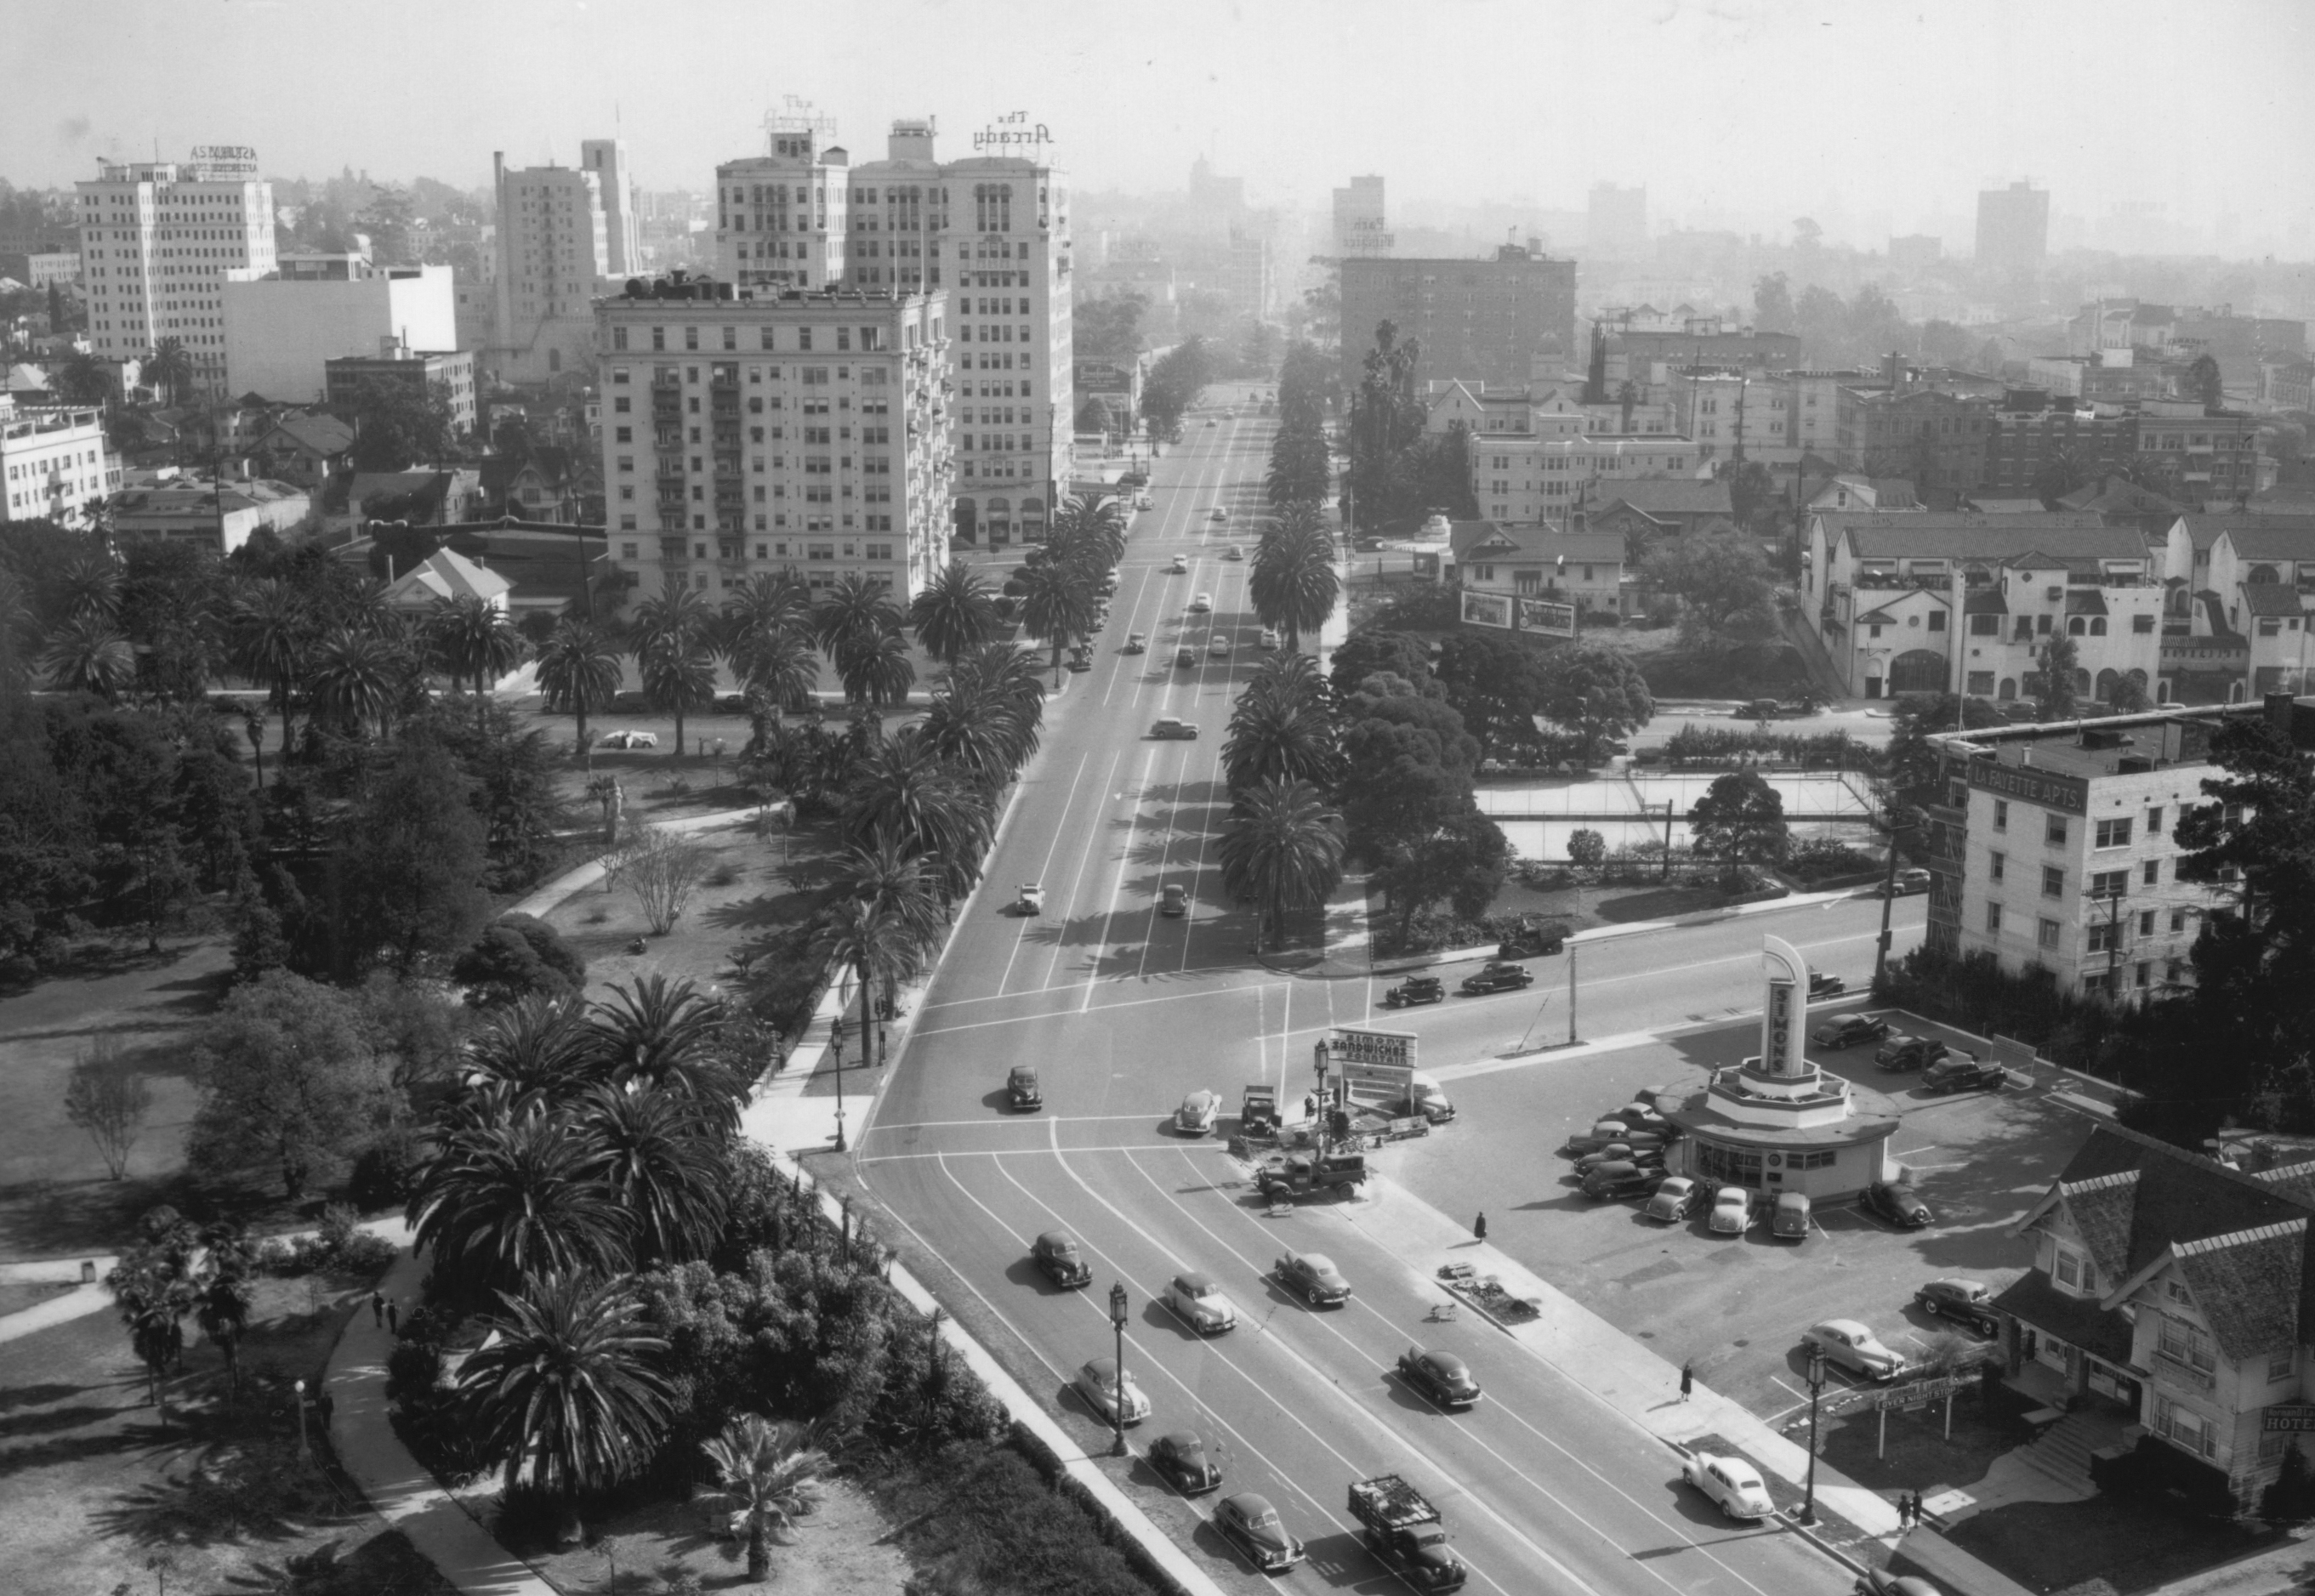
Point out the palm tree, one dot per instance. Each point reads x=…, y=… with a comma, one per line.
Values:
x=153, y=1297
x=565, y=1387
x=1294, y=584
x=502, y=1204
x=269, y=639
x=767, y=635
x=868, y=941
x=88, y=654
x=974, y=725
x=1282, y=848
x=80, y=378
x=355, y=678
x=92, y=588
x=662, y=1033
x=954, y=614
x=856, y=608
x=904, y=790
x=170, y=366
x=578, y=670
x=895, y=883
x=1059, y=605
x=538, y=1046
x=770, y=1474
x=1088, y=533
x=1280, y=731
x=476, y=642
x=875, y=669
x=665, y=1163
x=670, y=639
x=223, y=1296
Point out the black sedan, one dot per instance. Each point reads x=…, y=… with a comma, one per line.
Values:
x=1965, y=1301
x=1415, y=989
x=1847, y=1031
x=1182, y=1458
x=1497, y=978
x=1442, y=1377
x=1897, y=1203
x=1959, y=1072
x=1911, y=1052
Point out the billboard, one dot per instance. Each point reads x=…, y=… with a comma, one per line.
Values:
x=1103, y=376
x=1359, y=1044
x=1548, y=617
x=1487, y=609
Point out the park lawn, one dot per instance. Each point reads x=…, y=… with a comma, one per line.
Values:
x=96, y=1486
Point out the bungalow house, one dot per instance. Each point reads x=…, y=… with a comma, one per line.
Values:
x=1664, y=506
x=307, y=449
x=1582, y=568
x=541, y=485
x=2262, y=578
x=2168, y=1294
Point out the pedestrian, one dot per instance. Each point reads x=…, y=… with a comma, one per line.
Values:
x=1309, y=1106
x=1479, y=1228
x=1905, y=1506
x=1917, y=1510
x=394, y=1318
x=377, y=1308
x=1687, y=1379
x=324, y=1406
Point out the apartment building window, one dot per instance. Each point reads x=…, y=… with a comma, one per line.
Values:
x=2152, y=871
x=2054, y=878
x=2054, y=829
x=2146, y=923
x=2109, y=883
x=1997, y=866
x=2103, y=937
x=2177, y=920
x=626, y=550
x=2154, y=823
x=2047, y=933
x=659, y=338
x=1993, y=917
x=618, y=338
x=2113, y=834
x=2001, y=814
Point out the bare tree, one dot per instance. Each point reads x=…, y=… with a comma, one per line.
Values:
x=109, y=1100
x=659, y=867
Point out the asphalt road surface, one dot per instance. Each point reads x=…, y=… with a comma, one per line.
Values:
x=1125, y=1011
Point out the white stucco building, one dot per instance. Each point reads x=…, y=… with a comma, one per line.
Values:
x=53, y=462
x=157, y=239
x=283, y=327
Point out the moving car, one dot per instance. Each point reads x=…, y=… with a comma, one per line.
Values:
x=1174, y=900
x=1201, y=604
x=1442, y=1377
x=1789, y=1219
x=1144, y=502
x=1056, y=1253
x=1675, y=1199
x=1234, y=552
x=1852, y=1345
x=1217, y=646
x=1021, y=1088
x=1896, y=1202
x=1733, y=1485
x=1220, y=514
x=1960, y=1072
x=1532, y=938
x=1197, y=1300
x=1181, y=1457
x=1249, y=1523
x=1496, y=976
x=1911, y=1052
x=1099, y=1383
x=1732, y=1210
x=1847, y=1031
x=1211, y=423
x=1180, y=567
x=1186, y=656
x=1313, y=1277
x=1195, y=1117
x=1136, y=642
x=1907, y=883
x=1621, y=1178
x=1269, y=638
x=1030, y=899
x=1170, y=726
x=1965, y=1301
x=1415, y=989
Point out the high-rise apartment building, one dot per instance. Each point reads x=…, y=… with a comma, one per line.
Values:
x=2013, y=229
x=1360, y=224
x=156, y=238
x=554, y=257
x=899, y=208
x=1498, y=322
x=752, y=429
x=780, y=217
x=607, y=158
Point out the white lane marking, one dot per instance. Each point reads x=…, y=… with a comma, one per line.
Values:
x=1076, y=778
x=1085, y=857
x=1117, y=885
x=1121, y=1003
x=1120, y=1147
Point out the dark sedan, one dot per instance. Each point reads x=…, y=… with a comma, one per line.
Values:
x=1442, y=1377
x=1847, y=1031
x=1497, y=978
x=1897, y=1203
x=1182, y=1458
x=1911, y=1052
x=1965, y=1301
x=1958, y=1072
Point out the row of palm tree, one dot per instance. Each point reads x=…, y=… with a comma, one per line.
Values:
x=1294, y=583
x=1283, y=843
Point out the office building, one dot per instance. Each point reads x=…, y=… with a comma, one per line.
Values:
x=1246, y=277
x=37, y=269
x=554, y=256
x=283, y=327
x=451, y=372
x=55, y=462
x=2200, y=454
x=1360, y=224
x=752, y=430
x=1617, y=222
x=782, y=218
x=157, y=240
x=614, y=186
x=2013, y=229
x=898, y=208
x=1499, y=321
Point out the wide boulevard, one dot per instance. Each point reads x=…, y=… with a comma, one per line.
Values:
x=1545, y=1486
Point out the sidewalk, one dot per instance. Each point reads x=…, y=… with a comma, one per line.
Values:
x=1703, y=917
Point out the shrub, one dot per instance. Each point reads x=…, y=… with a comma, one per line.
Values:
x=413, y=1371
x=1976, y=994
x=381, y=1176
x=2291, y=1498
x=723, y=875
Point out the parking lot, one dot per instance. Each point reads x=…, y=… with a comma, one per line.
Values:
x=1737, y=1306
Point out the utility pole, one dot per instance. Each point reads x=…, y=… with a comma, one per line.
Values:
x=1665, y=874
x=1571, y=994
x=2113, y=947
x=1888, y=898
x=1816, y=1386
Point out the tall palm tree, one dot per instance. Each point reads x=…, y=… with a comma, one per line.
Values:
x=767, y=634
x=856, y=609
x=539, y=1046
x=1294, y=584
x=170, y=366
x=904, y=790
x=1089, y=533
x=876, y=669
x=665, y=1163
x=578, y=670
x=476, y=642
x=502, y=1204
x=92, y=588
x=222, y=1294
x=269, y=639
x=869, y=941
x=670, y=639
x=897, y=882
x=88, y=654
x=565, y=1387
x=770, y=1476
x=662, y=1033
x=955, y=613
x=1059, y=605
x=973, y=726
x=355, y=678
x=1281, y=847
x=1013, y=674
x=80, y=378
x=1276, y=735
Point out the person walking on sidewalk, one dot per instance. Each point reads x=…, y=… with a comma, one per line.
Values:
x=1480, y=1228
x=377, y=1308
x=1687, y=1379
x=393, y=1317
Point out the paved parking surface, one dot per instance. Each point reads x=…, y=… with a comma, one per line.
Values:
x=1737, y=1306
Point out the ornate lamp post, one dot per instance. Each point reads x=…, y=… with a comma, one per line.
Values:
x=836, y=1055
x=305, y=1441
x=1319, y=1120
x=1816, y=1386
x=1117, y=1399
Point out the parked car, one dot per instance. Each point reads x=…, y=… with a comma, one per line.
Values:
x=1732, y=1210
x=1269, y=638
x=1758, y=709
x=1415, y=989
x=1170, y=726
x=1677, y=1199
x=1849, y=1031
x=1173, y=901
x=1789, y=1219
x=1180, y=567
x=1650, y=1156
x=1181, y=1457
x=1882, y=1581
x=1136, y=642
x=1313, y=1277
x=1056, y=1254
x=1532, y=938
x=1621, y=1178
x=1965, y=1301
x=1249, y=1523
x=1821, y=985
x=1197, y=1300
x=1201, y=604
x=1854, y=1348
x=1442, y=1377
x=631, y=740
x=1100, y=1384
x=1643, y=1120
x=1021, y=1088
x=1234, y=553
x=1911, y=1052
x=1186, y=656
x=1896, y=1202
x=1195, y=1117
x=1496, y=976
x=1030, y=899
x=1907, y=883
x=1601, y=1133
x=1730, y=1483
x=1960, y=1072
x=1218, y=646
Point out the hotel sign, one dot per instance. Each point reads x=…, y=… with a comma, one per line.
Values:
x=2023, y=782
x=2288, y=1418
x=226, y=160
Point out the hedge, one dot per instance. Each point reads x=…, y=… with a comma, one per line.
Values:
x=1974, y=993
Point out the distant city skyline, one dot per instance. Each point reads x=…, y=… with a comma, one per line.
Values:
x=1872, y=118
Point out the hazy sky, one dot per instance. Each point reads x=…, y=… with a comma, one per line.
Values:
x=1903, y=111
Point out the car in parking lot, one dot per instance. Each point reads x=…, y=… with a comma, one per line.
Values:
x=1442, y=1377
x=1171, y=727
x=1201, y=604
x=1960, y=1072
x=1732, y=1210
x=1789, y=1219
x=1675, y=1199
x=1180, y=567
x=1965, y=1301
x=1186, y=656
x=1249, y=1523
x=1181, y=1457
x=1218, y=646
x=1136, y=642
x=1100, y=1384
x=1821, y=985
x=1896, y=1202
x=1496, y=976
x=1911, y=1052
x=1849, y=1031
x=1313, y=1277
x=1195, y=1117
x=1415, y=989
x=1621, y=1178
x=1650, y=1156
x=1850, y=1345
x=1197, y=1300
x=1730, y=1483
x=1173, y=901
x=1907, y=883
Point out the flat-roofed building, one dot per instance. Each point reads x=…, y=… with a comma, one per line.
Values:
x=157, y=240
x=1499, y=321
x=55, y=462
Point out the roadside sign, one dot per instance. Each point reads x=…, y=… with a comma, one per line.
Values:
x=1920, y=1393
x=2015, y=1056
x=1359, y=1044
x=1376, y=1083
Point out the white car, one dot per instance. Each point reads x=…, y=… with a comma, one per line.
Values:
x=630, y=740
x=1220, y=513
x=1198, y=1302
x=1269, y=637
x=1203, y=604
x=1732, y=1210
x=1852, y=1345
x=1734, y=1485
x=1217, y=646
x=1180, y=567
x=1098, y=1383
x=1195, y=1117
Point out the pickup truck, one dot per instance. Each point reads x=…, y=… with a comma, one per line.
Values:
x=1298, y=1174
x=1257, y=1114
x=1407, y=1533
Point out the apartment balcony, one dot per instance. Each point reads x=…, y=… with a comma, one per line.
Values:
x=674, y=548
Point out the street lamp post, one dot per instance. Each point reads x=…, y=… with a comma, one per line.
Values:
x=1318, y=1120
x=304, y=1442
x=1117, y=1399
x=836, y=1054
x=1817, y=1384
